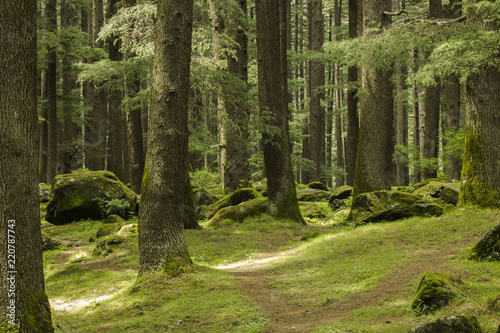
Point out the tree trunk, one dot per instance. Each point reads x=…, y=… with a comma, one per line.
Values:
x=352, y=102
x=51, y=13
x=236, y=168
x=402, y=171
x=480, y=177
x=161, y=227
x=374, y=160
x=42, y=171
x=282, y=197
x=115, y=142
x=23, y=300
x=317, y=80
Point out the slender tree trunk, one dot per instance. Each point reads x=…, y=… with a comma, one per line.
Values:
x=115, y=142
x=352, y=101
x=51, y=13
x=402, y=171
x=42, y=171
x=374, y=160
x=339, y=128
x=416, y=122
x=134, y=124
x=236, y=168
x=23, y=300
x=144, y=117
x=282, y=197
x=161, y=226
x=317, y=79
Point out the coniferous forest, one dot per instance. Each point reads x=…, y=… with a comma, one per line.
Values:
x=250, y=166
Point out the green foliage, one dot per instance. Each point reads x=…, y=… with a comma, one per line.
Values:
x=205, y=178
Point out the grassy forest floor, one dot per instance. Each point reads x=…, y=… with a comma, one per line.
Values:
x=259, y=276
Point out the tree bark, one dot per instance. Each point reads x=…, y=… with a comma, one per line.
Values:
x=42, y=171
x=23, y=300
x=352, y=102
x=236, y=168
x=161, y=227
x=282, y=197
x=480, y=177
x=402, y=171
x=374, y=160
x=317, y=79
x=51, y=14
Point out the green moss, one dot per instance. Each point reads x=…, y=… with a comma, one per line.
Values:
x=145, y=177
x=174, y=266
x=311, y=235
x=107, y=245
x=37, y=316
x=5, y=327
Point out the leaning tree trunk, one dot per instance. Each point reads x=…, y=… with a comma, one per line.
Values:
x=161, y=227
x=23, y=301
x=374, y=160
x=282, y=197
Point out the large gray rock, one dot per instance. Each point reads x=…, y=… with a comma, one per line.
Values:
x=318, y=186
x=340, y=193
x=435, y=291
x=89, y=195
x=451, y=324
x=390, y=206
x=488, y=248
x=441, y=192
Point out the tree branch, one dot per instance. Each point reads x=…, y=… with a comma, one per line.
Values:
x=395, y=13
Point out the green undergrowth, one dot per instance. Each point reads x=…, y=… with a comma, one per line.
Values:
x=341, y=262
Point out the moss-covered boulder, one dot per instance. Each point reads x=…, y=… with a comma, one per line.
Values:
x=107, y=245
x=435, y=291
x=390, y=206
x=108, y=229
x=232, y=199
x=318, y=186
x=129, y=230
x=313, y=210
x=313, y=195
x=113, y=218
x=201, y=197
x=488, y=248
x=311, y=235
x=341, y=193
x=49, y=244
x=239, y=212
x=434, y=190
x=44, y=192
x=451, y=324
x=89, y=195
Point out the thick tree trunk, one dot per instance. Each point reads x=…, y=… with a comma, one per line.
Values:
x=23, y=301
x=352, y=102
x=374, y=160
x=51, y=13
x=282, y=197
x=161, y=227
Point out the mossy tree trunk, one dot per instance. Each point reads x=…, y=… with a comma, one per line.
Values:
x=480, y=177
x=282, y=197
x=161, y=228
x=375, y=147
x=22, y=297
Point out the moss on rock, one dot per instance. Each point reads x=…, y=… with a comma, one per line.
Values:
x=88, y=195
x=451, y=324
x=435, y=291
x=107, y=245
x=488, y=248
x=233, y=199
x=108, y=229
x=318, y=186
x=313, y=195
x=313, y=210
x=240, y=212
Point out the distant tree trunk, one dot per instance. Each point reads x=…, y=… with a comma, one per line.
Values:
x=236, y=169
x=145, y=117
x=134, y=124
x=339, y=126
x=352, y=101
x=161, y=227
x=402, y=171
x=374, y=160
x=282, y=197
x=416, y=122
x=69, y=19
x=51, y=13
x=451, y=91
x=480, y=177
x=42, y=171
x=28, y=310
x=317, y=80
x=115, y=142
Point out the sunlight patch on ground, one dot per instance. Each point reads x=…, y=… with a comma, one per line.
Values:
x=62, y=304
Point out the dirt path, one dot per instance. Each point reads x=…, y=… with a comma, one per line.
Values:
x=285, y=317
